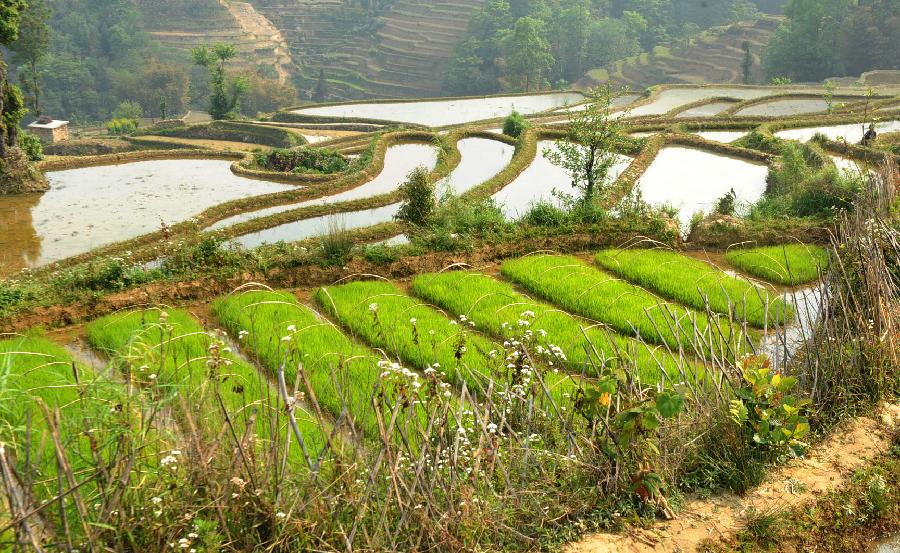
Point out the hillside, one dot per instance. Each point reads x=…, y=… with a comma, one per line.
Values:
x=399, y=51
x=715, y=56
x=182, y=26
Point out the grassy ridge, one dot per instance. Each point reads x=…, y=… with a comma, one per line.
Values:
x=496, y=308
x=629, y=309
x=678, y=278
x=283, y=332
x=387, y=318
x=172, y=351
x=788, y=264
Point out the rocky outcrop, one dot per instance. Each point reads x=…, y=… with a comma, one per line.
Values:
x=19, y=176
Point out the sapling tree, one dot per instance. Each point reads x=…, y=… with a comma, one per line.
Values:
x=588, y=150
x=419, y=200
x=225, y=95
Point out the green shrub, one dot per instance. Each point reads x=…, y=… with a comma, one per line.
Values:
x=514, y=125
x=419, y=199
x=31, y=145
x=122, y=127
x=381, y=254
x=303, y=160
x=545, y=214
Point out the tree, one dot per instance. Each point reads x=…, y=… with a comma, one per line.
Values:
x=321, y=92
x=30, y=50
x=589, y=149
x=11, y=100
x=805, y=47
x=528, y=58
x=747, y=64
x=419, y=199
x=266, y=95
x=225, y=95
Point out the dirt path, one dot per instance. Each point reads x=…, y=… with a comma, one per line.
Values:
x=256, y=25
x=826, y=468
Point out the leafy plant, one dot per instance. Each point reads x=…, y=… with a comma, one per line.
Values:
x=31, y=145
x=121, y=127
x=767, y=411
x=302, y=159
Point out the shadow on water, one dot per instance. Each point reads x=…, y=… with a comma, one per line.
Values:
x=20, y=245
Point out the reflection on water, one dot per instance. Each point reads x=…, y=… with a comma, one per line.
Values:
x=398, y=162
x=481, y=160
x=448, y=112
x=693, y=180
x=537, y=183
x=852, y=133
x=20, y=245
x=318, y=226
x=785, y=107
x=95, y=206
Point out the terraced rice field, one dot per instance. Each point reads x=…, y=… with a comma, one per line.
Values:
x=172, y=351
x=496, y=308
x=74, y=217
x=790, y=264
x=692, y=181
x=284, y=335
x=630, y=310
x=398, y=162
x=537, y=183
x=696, y=284
x=481, y=160
x=35, y=372
x=848, y=133
x=437, y=113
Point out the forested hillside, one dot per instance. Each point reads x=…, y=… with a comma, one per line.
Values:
x=112, y=51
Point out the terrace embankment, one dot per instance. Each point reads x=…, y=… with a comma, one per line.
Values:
x=828, y=466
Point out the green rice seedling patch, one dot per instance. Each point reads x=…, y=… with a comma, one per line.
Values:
x=281, y=332
x=35, y=371
x=693, y=283
x=427, y=339
x=788, y=264
x=497, y=308
x=590, y=292
x=171, y=352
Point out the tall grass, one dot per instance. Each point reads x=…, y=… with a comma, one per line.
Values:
x=170, y=352
x=498, y=309
x=284, y=335
x=696, y=284
x=584, y=290
x=50, y=405
x=788, y=264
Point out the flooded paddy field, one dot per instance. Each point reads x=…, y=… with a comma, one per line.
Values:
x=398, y=162
x=436, y=113
x=693, y=180
x=91, y=207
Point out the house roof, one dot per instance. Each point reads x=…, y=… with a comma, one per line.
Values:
x=54, y=124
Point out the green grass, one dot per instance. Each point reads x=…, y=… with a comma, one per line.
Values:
x=32, y=370
x=174, y=355
x=496, y=308
x=587, y=291
x=688, y=281
x=788, y=264
x=281, y=331
x=422, y=336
